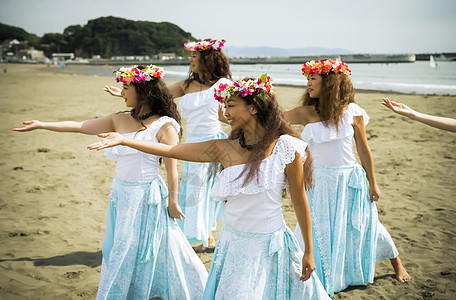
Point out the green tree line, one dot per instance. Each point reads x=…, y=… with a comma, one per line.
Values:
x=107, y=36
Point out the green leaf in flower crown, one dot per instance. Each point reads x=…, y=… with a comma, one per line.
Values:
x=264, y=77
x=261, y=95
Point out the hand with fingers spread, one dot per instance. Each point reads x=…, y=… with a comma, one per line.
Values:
x=110, y=139
x=448, y=124
x=113, y=90
x=398, y=108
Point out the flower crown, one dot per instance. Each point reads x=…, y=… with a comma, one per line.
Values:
x=134, y=74
x=259, y=86
x=324, y=67
x=204, y=45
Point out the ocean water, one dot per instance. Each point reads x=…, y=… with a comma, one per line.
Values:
x=417, y=77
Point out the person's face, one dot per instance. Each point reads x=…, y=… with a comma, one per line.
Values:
x=314, y=82
x=129, y=94
x=238, y=113
x=194, y=61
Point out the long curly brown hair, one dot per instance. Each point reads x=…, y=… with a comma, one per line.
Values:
x=213, y=65
x=272, y=119
x=336, y=93
x=155, y=95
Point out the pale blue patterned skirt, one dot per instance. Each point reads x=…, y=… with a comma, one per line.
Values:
x=145, y=254
x=344, y=227
x=200, y=209
x=249, y=265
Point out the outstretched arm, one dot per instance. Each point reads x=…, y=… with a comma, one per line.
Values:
x=448, y=124
x=93, y=126
x=365, y=155
x=210, y=151
x=295, y=173
x=168, y=135
x=177, y=89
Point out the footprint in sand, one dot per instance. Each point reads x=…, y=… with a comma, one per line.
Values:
x=73, y=275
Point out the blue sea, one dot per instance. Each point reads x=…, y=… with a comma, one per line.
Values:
x=418, y=77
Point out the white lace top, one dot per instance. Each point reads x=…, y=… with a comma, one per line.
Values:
x=134, y=165
x=201, y=110
x=332, y=147
x=257, y=207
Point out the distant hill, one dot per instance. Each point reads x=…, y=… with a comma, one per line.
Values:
x=107, y=36
x=111, y=36
x=8, y=32
x=234, y=51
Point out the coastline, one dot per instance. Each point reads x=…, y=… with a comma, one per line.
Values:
x=54, y=192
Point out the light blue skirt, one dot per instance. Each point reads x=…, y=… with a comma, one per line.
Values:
x=249, y=265
x=344, y=227
x=145, y=254
x=200, y=209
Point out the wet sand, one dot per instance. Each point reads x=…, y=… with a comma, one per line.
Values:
x=54, y=192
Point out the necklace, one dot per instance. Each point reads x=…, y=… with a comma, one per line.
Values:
x=145, y=116
x=141, y=117
x=242, y=142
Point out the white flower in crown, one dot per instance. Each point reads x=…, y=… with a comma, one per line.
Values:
x=204, y=45
x=259, y=86
x=131, y=74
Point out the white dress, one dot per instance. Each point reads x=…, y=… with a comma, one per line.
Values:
x=145, y=254
x=200, y=109
x=347, y=237
x=257, y=256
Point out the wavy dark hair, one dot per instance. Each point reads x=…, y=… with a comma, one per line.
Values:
x=272, y=119
x=155, y=95
x=336, y=93
x=213, y=65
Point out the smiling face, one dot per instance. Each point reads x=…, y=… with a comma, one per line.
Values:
x=314, y=83
x=130, y=95
x=195, y=61
x=238, y=113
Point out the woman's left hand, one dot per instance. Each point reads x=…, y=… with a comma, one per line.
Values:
x=110, y=139
x=113, y=90
x=308, y=266
x=374, y=193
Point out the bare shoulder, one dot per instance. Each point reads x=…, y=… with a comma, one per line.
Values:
x=302, y=115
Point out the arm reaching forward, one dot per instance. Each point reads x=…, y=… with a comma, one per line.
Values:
x=434, y=121
x=209, y=151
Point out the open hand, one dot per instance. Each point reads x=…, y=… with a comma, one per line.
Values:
x=308, y=266
x=29, y=126
x=113, y=90
x=110, y=139
x=398, y=108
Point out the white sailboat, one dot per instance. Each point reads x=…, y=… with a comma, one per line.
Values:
x=432, y=62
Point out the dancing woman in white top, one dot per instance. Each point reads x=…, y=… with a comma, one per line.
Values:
x=347, y=236
x=208, y=66
x=145, y=254
x=257, y=256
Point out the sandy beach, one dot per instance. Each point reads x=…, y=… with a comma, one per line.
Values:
x=54, y=192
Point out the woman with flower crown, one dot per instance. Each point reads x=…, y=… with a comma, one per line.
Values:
x=208, y=66
x=257, y=256
x=145, y=253
x=347, y=236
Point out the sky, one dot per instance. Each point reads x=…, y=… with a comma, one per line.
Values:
x=361, y=26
